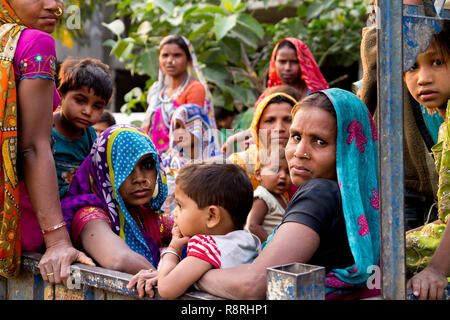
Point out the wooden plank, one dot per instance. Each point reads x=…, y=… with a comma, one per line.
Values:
x=3, y=287
x=63, y=293
x=116, y=296
x=42, y=290
x=93, y=293
x=92, y=283
x=21, y=288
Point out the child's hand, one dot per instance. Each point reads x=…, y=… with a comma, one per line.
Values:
x=428, y=284
x=178, y=240
x=144, y=280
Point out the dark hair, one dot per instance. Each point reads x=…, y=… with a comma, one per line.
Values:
x=284, y=88
x=441, y=41
x=107, y=117
x=285, y=44
x=92, y=73
x=225, y=185
x=175, y=39
x=222, y=113
x=316, y=99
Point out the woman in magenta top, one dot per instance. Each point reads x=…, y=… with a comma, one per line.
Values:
x=25, y=27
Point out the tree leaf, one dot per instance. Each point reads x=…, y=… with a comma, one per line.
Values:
x=210, y=9
x=252, y=24
x=245, y=35
x=314, y=10
x=150, y=62
x=116, y=27
x=216, y=74
x=166, y=6
x=231, y=48
x=222, y=25
x=201, y=30
x=119, y=48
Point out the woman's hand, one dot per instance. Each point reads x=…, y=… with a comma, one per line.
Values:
x=428, y=284
x=144, y=281
x=56, y=261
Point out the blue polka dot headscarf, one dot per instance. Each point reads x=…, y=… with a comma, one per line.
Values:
x=113, y=156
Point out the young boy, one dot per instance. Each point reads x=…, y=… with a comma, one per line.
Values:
x=213, y=201
x=106, y=120
x=85, y=88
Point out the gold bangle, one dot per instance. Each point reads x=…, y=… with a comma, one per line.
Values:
x=168, y=250
x=60, y=225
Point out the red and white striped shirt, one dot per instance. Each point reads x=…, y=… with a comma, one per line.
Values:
x=225, y=251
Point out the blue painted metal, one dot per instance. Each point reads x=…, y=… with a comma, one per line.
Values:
x=296, y=281
x=419, y=24
x=390, y=115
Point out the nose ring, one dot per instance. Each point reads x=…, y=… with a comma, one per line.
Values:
x=58, y=12
x=306, y=155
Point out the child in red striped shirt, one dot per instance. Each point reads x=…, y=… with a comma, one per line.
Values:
x=213, y=201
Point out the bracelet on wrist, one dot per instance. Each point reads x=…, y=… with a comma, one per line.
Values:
x=55, y=227
x=172, y=251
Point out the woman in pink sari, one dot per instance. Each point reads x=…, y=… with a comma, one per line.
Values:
x=180, y=82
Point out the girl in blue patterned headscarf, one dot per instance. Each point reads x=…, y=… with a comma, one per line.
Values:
x=191, y=123
x=94, y=192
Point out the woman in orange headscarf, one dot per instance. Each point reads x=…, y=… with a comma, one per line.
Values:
x=291, y=64
x=28, y=62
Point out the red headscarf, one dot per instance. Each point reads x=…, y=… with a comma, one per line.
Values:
x=311, y=74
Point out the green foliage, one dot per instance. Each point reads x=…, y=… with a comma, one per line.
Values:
x=233, y=48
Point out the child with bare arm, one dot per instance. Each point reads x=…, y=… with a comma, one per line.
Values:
x=213, y=201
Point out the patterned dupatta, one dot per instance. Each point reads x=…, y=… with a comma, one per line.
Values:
x=10, y=247
x=311, y=74
x=196, y=122
x=158, y=115
x=96, y=183
x=357, y=175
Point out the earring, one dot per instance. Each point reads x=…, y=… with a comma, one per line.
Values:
x=58, y=12
x=156, y=191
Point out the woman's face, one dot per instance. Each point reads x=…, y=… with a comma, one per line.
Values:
x=181, y=136
x=138, y=187
x=274, y=124
x=173, y=60
x=311, y=150
x=38, y=14
x=287, y=66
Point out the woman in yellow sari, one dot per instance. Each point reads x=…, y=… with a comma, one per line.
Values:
x=269, y=128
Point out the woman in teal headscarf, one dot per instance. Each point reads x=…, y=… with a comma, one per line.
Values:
x=333, y=218
x=112, y=208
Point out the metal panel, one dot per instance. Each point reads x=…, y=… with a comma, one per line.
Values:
x=418, y=28
x=390, y=113
x=296, y=281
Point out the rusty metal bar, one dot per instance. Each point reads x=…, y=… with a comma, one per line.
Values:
x=390, y=126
